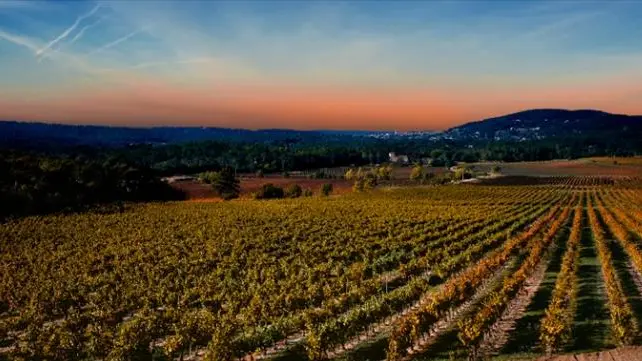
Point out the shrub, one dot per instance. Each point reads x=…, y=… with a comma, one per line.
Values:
x=224, y=183
x=370, y=181
x=417, y=173
x=208, y=177
x=269, y=191
x=384, y=172
x=294, y=191
x=358, y=186
x=463, y=173
x=308, y=192
x=327, y=189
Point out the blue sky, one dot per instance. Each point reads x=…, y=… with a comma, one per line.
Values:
x=361, y=64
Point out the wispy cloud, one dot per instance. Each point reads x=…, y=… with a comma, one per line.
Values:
x=68, y=31
x=66, y=59
x=491, y=53
x=19, y=40
x=115, y=42
x=80, y=33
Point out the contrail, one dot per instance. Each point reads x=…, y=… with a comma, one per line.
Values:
x=72, y=41
x=114, y=43
x=18, y=40
x=82, y=31
x=34, y=45
x=68, y=31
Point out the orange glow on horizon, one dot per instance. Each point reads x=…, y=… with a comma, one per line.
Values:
x=253, y=107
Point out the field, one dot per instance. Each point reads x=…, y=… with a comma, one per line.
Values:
x=417, y=273
x=250, y=183
x=196, y=190
x=588, y=167
x=601, y=166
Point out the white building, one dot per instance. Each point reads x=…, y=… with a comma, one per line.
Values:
x=394, y=158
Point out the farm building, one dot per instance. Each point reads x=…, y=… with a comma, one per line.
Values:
x=394, y=158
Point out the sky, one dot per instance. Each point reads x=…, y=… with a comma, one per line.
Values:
x=416, y=65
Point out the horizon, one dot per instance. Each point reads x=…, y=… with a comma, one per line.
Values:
x=177, y=126
x=370, y=66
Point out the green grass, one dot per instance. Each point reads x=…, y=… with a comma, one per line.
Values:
x=447, y=345
x=591, y=326
x=525, y=337
x=631, y=292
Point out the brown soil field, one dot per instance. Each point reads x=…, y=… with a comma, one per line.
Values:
x=196, y=190
x=600, y=166
x=613, y=167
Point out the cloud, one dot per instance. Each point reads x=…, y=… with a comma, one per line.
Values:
x=77, y=37
x=327, y=64
x=19, y=40
x=80, y=33
x=71, y=60
x=68, y=31
x=115, y=42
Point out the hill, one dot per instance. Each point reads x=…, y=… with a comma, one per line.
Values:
x=536, y=124
x=539, y=124
x=20, y=134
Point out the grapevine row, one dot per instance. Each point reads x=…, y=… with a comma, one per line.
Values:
x=623, y=324
x=472, y=329
x=556, y=326
x=408, y=329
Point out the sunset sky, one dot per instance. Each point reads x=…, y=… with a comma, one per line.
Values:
x=417, y=65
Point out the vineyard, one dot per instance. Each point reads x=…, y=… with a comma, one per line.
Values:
x=425, y=273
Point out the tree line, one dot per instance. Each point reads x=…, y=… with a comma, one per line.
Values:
x=36, y=184
x=287, y=156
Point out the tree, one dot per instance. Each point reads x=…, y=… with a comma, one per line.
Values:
x=384, y=172
x=417, y=173
x=208, y=177
x=225, y=183
x=359, y=174
x=349, y=174
x=293, y=191
x=463, y=173
x=438, y=162
x=269, y=191
x=327, y=189
x=358, y=185
x=370, y=181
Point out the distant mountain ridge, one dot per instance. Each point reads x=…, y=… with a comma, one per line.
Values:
x=14, y=133
x=535, y=124
x=549, y=123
